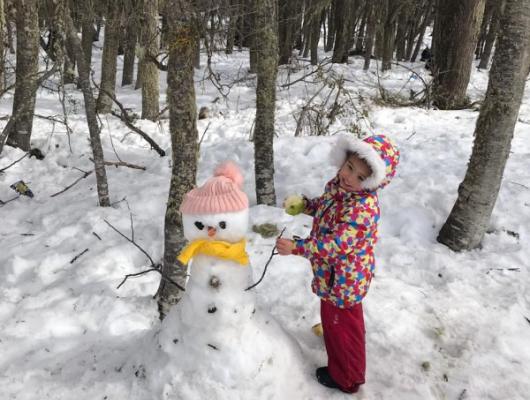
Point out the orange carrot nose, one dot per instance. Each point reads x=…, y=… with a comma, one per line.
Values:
x=211, y=231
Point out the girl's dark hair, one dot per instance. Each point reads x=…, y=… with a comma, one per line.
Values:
x=350, y=153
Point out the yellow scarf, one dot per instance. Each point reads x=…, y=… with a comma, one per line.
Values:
x=228, y=251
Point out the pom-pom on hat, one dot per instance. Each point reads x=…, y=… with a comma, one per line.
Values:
x=220, y=194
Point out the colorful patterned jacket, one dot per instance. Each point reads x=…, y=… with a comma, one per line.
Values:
x=341, y=243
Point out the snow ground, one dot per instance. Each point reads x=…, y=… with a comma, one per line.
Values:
x=440, y=325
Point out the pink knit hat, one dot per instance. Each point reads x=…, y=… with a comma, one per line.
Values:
x=220, y=194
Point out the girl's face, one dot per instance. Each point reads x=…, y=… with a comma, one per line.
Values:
x=352, y=173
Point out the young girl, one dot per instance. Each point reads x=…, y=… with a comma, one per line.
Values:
x=341, y=251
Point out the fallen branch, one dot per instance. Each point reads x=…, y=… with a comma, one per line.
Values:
x=14, y=162
x=503, y=269
x=2, y=202
x=85, y=174
x=79, y=255
x=122, y=164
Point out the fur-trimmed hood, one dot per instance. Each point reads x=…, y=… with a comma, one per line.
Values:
x=379, y=152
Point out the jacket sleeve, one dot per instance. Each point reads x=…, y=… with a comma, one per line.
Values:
x=350, y=233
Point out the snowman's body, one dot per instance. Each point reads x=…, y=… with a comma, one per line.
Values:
x=215, y=333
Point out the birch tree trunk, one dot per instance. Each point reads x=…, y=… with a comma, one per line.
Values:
x=454, y=39
x=90, y=108
x=183, y=129
x=150, y=77
x=26, y=74
x=265, y=101
x=110, y=54
x=470, y=216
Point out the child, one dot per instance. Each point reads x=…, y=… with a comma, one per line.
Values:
x=341, y=251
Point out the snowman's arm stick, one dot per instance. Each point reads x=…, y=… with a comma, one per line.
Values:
x=273, y=253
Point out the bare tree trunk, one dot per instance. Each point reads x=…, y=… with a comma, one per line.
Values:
x=265, y=101
x=26, y=74
x=486, y=21
x=425, y=22
x=110, y=54
x=90, y=108
x=315, y=33
x=331, y=27
x=233, y=12
x=401, y=33
x=87, y=29
x=491, y=36
x=288, y=28
x=183, y=129
x=150, y=78
x=342, y=14
x=389, y=34
x=455, y=40
x=371, y=26
x=131, y=35
x=477, y=194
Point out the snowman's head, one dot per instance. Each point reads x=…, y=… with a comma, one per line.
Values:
x=228, y=227
x=217, y=210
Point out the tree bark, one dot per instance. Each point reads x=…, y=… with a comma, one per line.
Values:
x=342, y=24
x=150, y=78
x=233, y=12
x=425, y=22
x=87, y=29
x=265, y=101
x=26, y=74
x=110, y=54
x=331, y=27
x=491, y=36
x=371, y=26
x=90, y=108
x=131, y=35
x=183, y=129
x=287, y=28
x=455, y=39
x=477, y=194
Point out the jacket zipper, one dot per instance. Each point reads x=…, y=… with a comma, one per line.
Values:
x=331, y=279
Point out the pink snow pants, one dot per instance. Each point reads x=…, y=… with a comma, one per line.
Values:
x=345, y=344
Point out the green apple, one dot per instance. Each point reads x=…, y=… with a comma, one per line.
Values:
x=294, y=204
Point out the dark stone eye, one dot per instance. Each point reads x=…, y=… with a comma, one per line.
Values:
x=199, y=225
x=222, y=225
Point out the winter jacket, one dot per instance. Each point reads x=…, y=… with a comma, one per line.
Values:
x=344, y=232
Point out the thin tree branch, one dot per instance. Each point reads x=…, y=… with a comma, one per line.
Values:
x=85, y=174
x=126, y=118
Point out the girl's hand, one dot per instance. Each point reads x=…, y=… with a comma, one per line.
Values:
x=284, y=246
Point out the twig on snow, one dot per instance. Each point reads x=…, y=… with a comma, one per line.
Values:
x=85, y=174
x=14, y=162
x=79, y=255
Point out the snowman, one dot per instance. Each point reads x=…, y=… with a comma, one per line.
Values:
x=215, y=338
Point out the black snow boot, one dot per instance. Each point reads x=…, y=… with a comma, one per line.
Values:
x=324, y=378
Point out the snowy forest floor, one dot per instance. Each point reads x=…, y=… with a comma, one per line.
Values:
x=440, y=325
